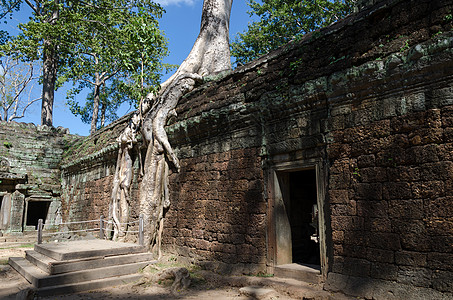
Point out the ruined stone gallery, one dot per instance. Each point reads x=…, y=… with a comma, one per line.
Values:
x=334, y=151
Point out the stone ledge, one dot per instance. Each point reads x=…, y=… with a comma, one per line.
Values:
x=12, y=176
x=91, y=157
x=379, y=289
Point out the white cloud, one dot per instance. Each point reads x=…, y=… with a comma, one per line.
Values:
x=175, y=2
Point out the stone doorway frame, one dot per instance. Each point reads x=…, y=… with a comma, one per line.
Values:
x=48, y=201
x=274, y=195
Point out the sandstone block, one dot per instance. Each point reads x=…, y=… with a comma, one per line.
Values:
x=414, y=276
x=406, y=209
x=443, y=281
x=338, y=196
x=368, y=191
x=410, y=258
x=356, y=267
x=397, y=190
x=380, y=255
x=384, y=271
x=370, y=209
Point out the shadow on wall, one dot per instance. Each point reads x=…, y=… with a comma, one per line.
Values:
x=388, y=196
x=218, y=212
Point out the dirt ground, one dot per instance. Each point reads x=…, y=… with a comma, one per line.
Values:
x=12, y=283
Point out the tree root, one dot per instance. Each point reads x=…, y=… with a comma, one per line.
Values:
x=210, y=54
x=179, y=275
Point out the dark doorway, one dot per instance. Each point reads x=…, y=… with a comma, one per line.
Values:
x=303, y=217
x=37, y=210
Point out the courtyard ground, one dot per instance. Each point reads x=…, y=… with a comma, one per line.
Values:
x=204, y=285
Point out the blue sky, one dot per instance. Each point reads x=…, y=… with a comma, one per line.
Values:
x=181, y=25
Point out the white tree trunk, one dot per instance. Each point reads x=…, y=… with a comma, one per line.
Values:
x=210, y=54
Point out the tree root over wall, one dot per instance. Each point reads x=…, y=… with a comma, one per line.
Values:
x=209, y=55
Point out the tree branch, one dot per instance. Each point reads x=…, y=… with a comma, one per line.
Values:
x=23, y=110
x=88, y=81
x=110, y=75
x=9, y=9
x=35, y=8
x=101, y=7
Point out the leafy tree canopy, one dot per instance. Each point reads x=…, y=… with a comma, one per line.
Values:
x=91, y=43
x=282, y=21
x=120, y=48
x=109, y=104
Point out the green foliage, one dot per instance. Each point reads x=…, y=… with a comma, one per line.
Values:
x=4, y=37
x=282, y=21
x=42, y=26
x=96, y=42
x=110, y=101
x=405, y=45
x=7, y=144
x=120, y=48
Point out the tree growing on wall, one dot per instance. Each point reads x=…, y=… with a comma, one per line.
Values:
x=17, y=81
x=210, y=54
x=281, y=21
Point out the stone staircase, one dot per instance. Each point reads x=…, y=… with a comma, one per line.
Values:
x=71, y=267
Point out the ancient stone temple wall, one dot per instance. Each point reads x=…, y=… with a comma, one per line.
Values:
x=358, y=116
x=88, y=168
x=30, y=185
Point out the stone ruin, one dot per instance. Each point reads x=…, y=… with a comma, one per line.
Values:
x=30, y=175
x=335, y=150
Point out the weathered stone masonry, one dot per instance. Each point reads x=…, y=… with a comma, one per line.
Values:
x=368, y=101
x=366, y=104
x=30, y=186
x=88, y=168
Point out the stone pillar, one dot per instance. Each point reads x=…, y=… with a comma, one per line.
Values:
x=53, y=215
x=17, y=211
x=5, y=212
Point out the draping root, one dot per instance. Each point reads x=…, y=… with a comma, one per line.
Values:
x=210, y=54
x=121, y=190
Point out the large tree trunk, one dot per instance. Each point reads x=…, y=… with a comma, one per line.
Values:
x=49, y=74
x=103, y=107
x=210, y=54
x=96, y=100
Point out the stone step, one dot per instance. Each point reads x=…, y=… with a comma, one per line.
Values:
x=88, y=285
x=18, y=239
x=15, y=240
x=52, y=266
x=28, y=270
x=41, y=279
x=84, y=249
x=303, y=272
